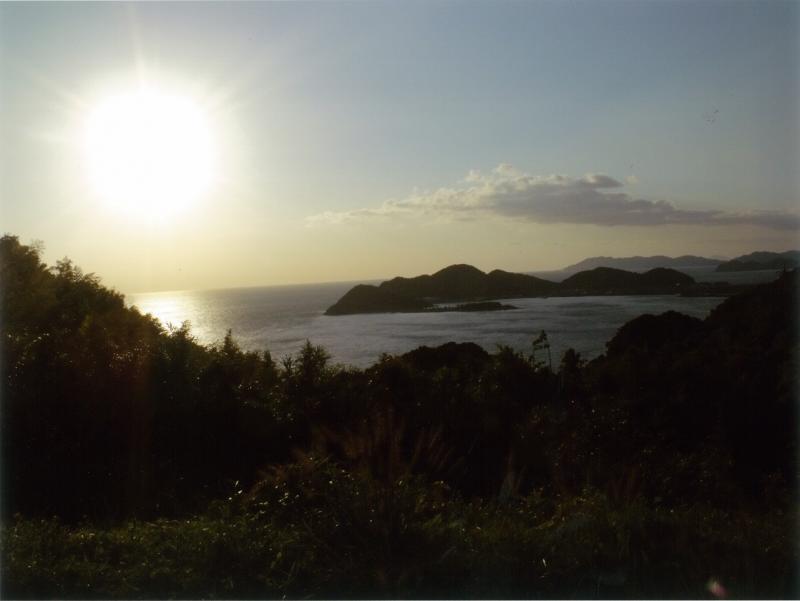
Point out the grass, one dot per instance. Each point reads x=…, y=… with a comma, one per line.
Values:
x=297, y=543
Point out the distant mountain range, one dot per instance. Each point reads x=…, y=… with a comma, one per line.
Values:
x=754, y=261
x=459, y=283
x=639, y=263
x=762, y=260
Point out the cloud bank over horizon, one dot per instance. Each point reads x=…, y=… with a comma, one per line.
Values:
x=595, y=199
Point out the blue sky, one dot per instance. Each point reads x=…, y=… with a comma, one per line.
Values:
x=348, y=131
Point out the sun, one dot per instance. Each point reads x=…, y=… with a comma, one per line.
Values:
x=149, y=153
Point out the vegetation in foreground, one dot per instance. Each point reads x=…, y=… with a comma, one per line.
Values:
x=137, y=463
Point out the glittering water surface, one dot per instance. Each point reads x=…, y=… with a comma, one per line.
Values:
x=282, y=318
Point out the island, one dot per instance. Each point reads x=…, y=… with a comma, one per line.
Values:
x=472, y=289
x=610, y=281
x=467, y=307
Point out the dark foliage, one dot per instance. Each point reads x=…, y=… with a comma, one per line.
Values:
x=446, y=471
x=105, y=414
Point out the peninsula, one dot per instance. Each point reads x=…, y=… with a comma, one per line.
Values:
x=379, y=299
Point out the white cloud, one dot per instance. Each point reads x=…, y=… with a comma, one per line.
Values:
x=595, y=198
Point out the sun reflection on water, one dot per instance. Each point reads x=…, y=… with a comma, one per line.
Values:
x=174, y=308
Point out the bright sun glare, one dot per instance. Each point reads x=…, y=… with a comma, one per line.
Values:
x=149, y=153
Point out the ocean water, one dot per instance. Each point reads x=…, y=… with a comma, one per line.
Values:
x=282, y=318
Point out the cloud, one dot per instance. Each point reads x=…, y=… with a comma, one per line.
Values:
x=594, y=198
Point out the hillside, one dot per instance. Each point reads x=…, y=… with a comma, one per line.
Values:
x=736, y=369
x=762, y=260
x=137, y=463
x=638, y=263
x=371, y=299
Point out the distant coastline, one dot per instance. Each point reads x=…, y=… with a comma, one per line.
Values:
x=755, y=261
x=639, y=263
x=761, y=260
x=467, y=284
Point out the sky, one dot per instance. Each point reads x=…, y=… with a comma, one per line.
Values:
x=362, y=140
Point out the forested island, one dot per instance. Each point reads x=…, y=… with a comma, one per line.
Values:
x=137, y=463
x=465, y=283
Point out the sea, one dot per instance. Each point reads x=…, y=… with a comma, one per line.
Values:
x=281, y=319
